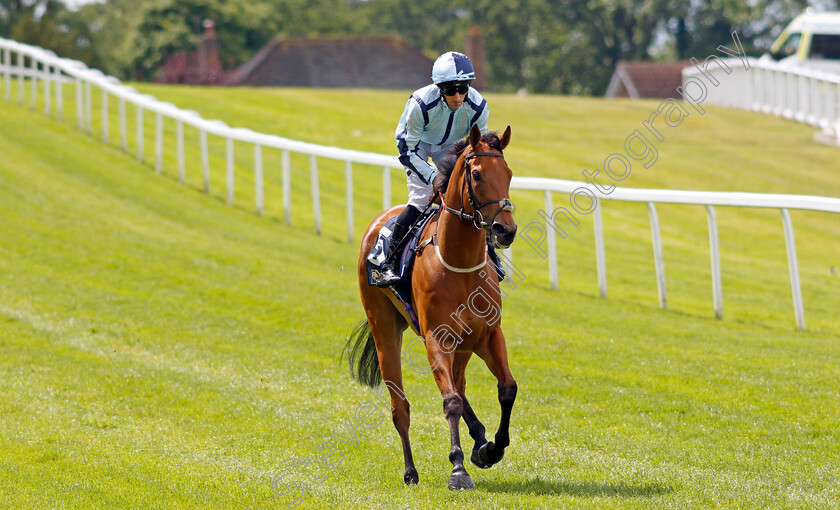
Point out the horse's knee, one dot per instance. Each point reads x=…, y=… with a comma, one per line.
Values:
x=453, y=406
x=507, y=392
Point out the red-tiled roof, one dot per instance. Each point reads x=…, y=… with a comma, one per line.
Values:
x=363, y=62
x=646, y=79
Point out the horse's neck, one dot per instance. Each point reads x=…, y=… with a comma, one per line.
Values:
x=461, y=244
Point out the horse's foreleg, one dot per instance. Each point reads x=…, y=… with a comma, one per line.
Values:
x=477, y=432
x=495, y=356
x=453, y=409
x=476, y=428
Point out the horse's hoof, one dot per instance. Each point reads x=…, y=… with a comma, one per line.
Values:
x=410, y=477
x=461, y=482
x=476, y=459
x=485, y=457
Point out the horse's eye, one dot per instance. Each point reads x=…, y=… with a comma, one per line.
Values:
x=476, y=176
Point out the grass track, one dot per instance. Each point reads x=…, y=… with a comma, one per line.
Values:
x=160, y=349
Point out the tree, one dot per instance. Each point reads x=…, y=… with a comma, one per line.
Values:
x=13, y=11
x=170, y=26
x=44, y=23
x=548, y=46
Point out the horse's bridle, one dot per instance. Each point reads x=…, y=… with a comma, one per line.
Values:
x=476, y=217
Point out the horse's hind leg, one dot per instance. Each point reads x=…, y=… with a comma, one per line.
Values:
x=400, y=409
x=477, y=431
x=387, y=326
x=495, y=356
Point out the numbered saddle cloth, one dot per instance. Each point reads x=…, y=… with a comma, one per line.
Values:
x=383, y=245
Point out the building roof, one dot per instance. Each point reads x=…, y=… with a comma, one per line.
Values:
x=646, y=79
x=349, y=62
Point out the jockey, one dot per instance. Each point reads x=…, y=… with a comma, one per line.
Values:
x=435, y=117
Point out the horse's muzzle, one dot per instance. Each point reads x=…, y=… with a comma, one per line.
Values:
x=503, y=235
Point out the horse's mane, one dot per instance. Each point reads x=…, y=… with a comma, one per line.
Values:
x=447, y=163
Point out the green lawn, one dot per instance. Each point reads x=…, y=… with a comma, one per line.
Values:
x=162, y=349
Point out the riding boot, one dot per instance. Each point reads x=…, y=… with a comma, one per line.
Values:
x=494, y=257
x=389, y=273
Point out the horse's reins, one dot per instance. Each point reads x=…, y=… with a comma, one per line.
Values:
x=475, y=217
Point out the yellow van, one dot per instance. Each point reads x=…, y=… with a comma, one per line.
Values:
x=811, y=40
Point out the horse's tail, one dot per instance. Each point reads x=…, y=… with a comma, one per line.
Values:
x=361, y=353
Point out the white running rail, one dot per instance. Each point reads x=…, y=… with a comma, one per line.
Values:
x=54, y=72
x=805, y=95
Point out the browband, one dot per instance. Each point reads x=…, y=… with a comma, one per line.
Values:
x=474, y=154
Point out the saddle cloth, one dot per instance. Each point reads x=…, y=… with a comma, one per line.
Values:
x=383, y=245
x=401, y=289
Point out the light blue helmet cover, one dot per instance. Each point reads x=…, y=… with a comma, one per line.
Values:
x=452, y=66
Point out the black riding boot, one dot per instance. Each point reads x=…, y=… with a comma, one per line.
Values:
x=389, y=274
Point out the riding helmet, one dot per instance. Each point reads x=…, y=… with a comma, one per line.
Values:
x=452, y=66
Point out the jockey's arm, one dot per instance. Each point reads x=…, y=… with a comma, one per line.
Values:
x=482, y=119
x=408, y=135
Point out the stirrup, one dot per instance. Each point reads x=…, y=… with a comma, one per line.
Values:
x=387, y=278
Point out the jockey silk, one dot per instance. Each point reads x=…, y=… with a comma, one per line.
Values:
x=428, y=128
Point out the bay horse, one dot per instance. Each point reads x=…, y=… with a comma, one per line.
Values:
x=448, y=279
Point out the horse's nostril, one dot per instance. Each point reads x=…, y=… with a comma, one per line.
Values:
x=499, y=229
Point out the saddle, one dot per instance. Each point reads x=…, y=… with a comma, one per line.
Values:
x=402, y=289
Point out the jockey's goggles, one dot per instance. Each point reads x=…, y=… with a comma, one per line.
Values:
x=449, y=88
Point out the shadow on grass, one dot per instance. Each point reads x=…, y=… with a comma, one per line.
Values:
x=538, y=486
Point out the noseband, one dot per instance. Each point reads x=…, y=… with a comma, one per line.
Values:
x=476, y=217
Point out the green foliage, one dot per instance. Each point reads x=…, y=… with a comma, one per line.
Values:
x=691, y=26
x=170, y=26
x=311, y=17
x=13, y=11
x=544, y=46
x=112, y=27
x=133, y=39
x=510, y=39
x=435, y=26
x=572, y=46
x=48, y=24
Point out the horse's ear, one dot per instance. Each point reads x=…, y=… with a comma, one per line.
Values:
x=505, y=138
x=475, y=136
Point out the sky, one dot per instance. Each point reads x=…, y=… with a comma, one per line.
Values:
x=73, y=4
